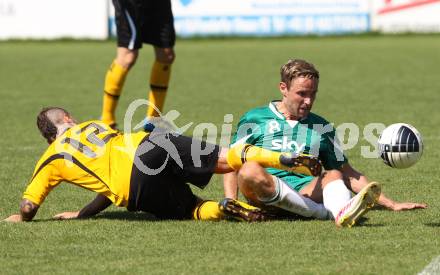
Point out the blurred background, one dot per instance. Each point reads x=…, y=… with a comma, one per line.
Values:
x=83, y=19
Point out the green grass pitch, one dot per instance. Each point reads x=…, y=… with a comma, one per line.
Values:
x=364, y=79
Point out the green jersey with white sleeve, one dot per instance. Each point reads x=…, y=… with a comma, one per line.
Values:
x=266, y=127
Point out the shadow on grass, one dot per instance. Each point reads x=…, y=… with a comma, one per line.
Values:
x=144, y=216
x=113, y=215
x=432, y=224
x=129, y=216
x=379, y=208
x=361, y=222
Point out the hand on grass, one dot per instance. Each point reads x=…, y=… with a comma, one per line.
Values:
x=400, y=206
x=66, y=216
x=13, y=218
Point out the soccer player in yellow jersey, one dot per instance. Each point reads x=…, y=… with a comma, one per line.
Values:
x=139, y=171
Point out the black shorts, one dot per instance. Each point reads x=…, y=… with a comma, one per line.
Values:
x=144, y=21
x=158, y=183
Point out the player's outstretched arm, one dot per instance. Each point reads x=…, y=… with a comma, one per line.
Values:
x=28, y=210
x=357, y=181
x=94, y=207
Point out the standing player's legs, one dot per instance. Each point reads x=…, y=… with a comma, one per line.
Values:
x=159, y=31
x=128, y=22
x=114, y=82
x=159, y=80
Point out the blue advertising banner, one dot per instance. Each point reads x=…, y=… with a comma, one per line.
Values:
x=270, y=17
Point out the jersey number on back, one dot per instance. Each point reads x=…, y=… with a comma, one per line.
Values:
x=91, y=137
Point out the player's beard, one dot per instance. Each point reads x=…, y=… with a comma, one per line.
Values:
x=303, y=112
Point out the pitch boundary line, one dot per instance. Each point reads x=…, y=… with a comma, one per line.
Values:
x=432, y=268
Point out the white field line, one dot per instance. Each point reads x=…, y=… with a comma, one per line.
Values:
x=432, y=268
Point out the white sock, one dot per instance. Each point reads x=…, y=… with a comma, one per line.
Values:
x=292, y=201
x=336, y=195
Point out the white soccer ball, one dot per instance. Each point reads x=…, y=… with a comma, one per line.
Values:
x=400, y=145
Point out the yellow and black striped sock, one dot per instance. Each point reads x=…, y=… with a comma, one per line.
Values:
x=159, y=79
x=302, y=163
x=208, y=211
x=241, y=153
x=114, y=80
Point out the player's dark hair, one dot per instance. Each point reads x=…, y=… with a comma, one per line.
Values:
x=295, y=68
x=47, y=123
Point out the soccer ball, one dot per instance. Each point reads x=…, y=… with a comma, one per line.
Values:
x=400, y=145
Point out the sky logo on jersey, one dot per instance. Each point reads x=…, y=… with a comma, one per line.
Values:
x=286, y=144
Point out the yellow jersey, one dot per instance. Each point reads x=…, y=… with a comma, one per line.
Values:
x=90, y=155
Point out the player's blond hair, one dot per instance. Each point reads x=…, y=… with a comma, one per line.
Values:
x=295, y=68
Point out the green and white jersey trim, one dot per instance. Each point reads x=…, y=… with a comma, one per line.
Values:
x=275, y=111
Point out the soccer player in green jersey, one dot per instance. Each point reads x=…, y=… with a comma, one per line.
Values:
x=288, y=125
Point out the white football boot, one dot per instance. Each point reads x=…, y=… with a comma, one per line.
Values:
x=358, y=205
